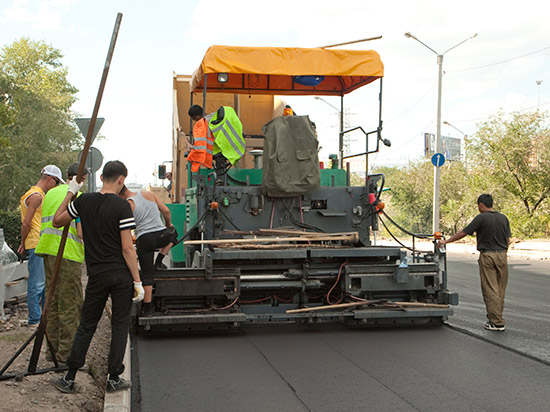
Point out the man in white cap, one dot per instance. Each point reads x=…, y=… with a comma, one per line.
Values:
x=31, y=216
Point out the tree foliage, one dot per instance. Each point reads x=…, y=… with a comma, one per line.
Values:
x=509, y=157
x=36, y=126
x=514, y=152
x=411, y=196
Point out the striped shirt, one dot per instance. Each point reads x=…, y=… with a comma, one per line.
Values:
x=103, y=217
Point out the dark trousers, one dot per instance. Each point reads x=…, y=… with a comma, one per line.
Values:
x=146, y=246
x=119, y=286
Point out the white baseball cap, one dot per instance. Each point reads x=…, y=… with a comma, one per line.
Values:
x=54, y=171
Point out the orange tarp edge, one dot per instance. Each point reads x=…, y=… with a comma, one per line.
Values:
x=271, y=70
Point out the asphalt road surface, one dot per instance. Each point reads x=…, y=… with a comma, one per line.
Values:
x=526, y=307
x=331, y=368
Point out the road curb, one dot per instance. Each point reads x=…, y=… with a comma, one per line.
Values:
x=525, y=249
x=121, y=401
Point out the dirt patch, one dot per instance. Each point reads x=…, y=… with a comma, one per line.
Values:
x=35, y=393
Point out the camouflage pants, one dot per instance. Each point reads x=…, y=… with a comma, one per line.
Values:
x=66, y=304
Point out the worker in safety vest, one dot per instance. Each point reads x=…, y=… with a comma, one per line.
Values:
x=203, y=145
x=228, y=134
x=288, y=111
x=31, y=214
x=67, y=298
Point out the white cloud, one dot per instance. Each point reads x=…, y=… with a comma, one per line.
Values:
x=41, y=14
x=17, y=12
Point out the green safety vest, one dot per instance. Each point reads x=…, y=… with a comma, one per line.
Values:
x=50, y=237
x=228, y=135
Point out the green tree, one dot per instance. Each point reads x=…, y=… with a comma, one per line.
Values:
x=411, y=192
x=511, y=155
x=514, y=152
x=39, y=128
x=411, y=196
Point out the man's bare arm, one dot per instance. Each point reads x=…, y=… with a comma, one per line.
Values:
x=33, y=203
x=62, y=217
x=79, y=230
x=129, y=253
x=456, y=236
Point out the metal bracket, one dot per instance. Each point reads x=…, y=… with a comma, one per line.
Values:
x=208, y=264
x=401, y=272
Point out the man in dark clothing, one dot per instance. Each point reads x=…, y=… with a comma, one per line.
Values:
x=493, y=236
x=111, y=262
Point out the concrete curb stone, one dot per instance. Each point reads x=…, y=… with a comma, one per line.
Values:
x=121, y=401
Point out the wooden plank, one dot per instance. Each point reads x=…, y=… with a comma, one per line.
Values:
x=350, y=238
x=278, y=246
x=301, y=233
x=421, y=304
x=367, y=302
x=337, y=306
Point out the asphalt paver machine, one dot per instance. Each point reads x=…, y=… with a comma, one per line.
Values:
x=287, y=240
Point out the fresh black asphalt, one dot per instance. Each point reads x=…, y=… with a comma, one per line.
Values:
x=331, y=368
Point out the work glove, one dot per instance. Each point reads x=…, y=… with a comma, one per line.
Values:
x=139, y=292
x=74, y=186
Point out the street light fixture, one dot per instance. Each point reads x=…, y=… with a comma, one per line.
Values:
x=340, y=134
x=465, y=140
x=437, y=170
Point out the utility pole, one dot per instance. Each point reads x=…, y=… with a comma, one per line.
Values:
x=539, y=82
x=341, y=124
x=437, y=169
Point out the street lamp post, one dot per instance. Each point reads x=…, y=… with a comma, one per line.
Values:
x=465, y=141
x=340, y=134
x=437, y=170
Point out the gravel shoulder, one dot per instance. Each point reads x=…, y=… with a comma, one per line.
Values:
x=34, y=392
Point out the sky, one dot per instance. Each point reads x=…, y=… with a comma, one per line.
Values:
x=497, y=70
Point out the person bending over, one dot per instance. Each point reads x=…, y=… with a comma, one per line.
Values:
x=151, y=234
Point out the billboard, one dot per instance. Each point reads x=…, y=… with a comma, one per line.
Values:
x=451, y=147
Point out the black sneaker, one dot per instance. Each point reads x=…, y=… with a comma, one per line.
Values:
x=492, y=326
x=113, y=386
x=63, y=385
x=148, y=309
x=160, y=266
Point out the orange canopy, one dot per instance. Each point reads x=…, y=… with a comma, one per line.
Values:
x=273, y=70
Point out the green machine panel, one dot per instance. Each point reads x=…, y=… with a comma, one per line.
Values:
x=329, y=177
x=177, y=254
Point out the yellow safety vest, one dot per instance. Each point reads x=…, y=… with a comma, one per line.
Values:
x=228, y=135
x=50, y=237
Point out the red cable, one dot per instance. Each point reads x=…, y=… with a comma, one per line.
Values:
x=335, y=283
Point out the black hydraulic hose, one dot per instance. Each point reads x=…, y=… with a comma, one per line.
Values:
x=186, y=234
x=298, y=223
x=229, y=220
x=394, y=238
x=381, y=184
x=420, y=236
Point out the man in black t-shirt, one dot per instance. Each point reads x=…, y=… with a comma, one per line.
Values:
x=493, y=236
x=111, y=262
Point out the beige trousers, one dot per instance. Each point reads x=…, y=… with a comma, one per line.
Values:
x=493, y=271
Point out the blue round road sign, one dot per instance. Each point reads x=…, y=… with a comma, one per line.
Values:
x=438, y=159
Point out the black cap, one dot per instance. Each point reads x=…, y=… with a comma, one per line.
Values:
x=73, y=170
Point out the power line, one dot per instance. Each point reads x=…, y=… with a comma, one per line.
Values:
x=414, y=104
x=521, y=109
x=500, y=62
